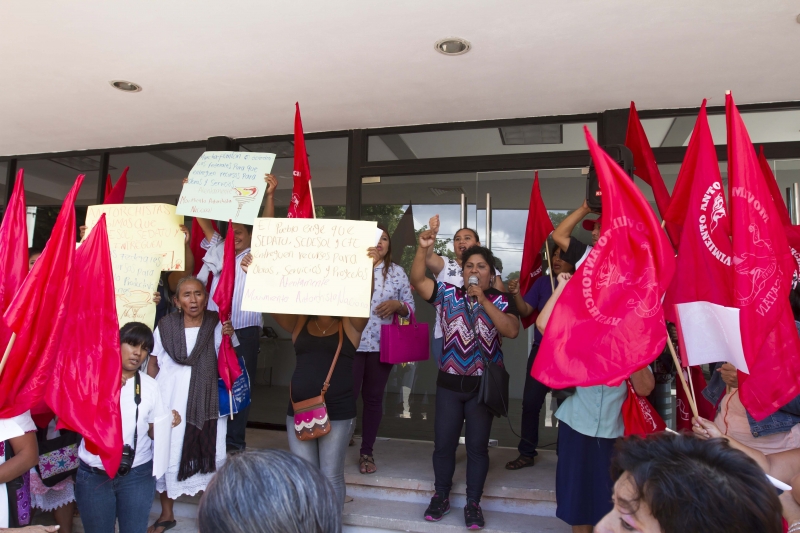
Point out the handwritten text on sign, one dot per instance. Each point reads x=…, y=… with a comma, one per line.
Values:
x=144, y=228
x=226, y=186
x=310, y=267
x=135, y=280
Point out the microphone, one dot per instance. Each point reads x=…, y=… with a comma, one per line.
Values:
x=473, y=280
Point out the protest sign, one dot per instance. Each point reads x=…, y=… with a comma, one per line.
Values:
x=226, y=186
x=144, y=228
x=310, y=267
x=135, y=280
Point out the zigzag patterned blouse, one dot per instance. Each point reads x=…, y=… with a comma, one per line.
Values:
x=460, y=354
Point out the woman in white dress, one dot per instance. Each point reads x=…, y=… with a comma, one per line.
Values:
x=184, y=364
x=25, y=456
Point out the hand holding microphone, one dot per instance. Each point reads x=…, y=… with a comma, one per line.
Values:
x=474, y=291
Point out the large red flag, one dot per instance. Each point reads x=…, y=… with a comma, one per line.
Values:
x=37, y=316
x=645, y=166
x=227, y=363
x=774, y=189
x=608, y=322
x=301, y=205
x=763, y=267
x=704, y=271
x=13, y=252
x=117, y=194
x=539, y=227
x=85, y=387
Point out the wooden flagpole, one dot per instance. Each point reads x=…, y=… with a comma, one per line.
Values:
x=7, y=352
x=311, y=193
x=549, y=265
x=675, y=360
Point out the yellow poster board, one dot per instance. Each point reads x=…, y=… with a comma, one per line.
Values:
x=310, y=267
x=135, y=280
x=144, y=228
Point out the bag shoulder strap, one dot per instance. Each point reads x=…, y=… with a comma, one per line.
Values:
x=335, y=358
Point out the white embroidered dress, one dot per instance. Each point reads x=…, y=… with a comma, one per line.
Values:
x=173, y=382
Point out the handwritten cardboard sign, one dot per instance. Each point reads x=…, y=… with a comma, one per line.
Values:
x=310, y=267
x=144, y=228
x=135, y=280
x=226, y=186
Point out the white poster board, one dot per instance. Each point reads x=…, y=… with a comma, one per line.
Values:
x=226, y=186
x=143, y=228
x=135, y=280
x=310, y=267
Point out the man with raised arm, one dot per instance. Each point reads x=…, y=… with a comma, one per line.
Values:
x=574, y=251
x=247, y=324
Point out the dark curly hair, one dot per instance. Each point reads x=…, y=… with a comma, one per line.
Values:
x=482, y=251
x=694, y=485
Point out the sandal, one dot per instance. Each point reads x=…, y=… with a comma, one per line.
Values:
x=520, y=462
x=366, y=465
x=166, y=524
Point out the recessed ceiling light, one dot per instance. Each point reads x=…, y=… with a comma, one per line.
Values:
x=452, y=46
x=126, y=86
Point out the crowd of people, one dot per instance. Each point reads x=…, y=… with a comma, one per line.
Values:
x=713, y=480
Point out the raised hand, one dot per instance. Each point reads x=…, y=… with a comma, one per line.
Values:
x=513, y=286
x=433, y=224
x=564, y=277
x=427, y=238
x=272, y=184
x=246, y=262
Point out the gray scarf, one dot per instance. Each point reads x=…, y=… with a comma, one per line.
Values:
x=203, y=403
x=202, y=406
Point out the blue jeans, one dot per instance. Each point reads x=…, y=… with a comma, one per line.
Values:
x=101, y=500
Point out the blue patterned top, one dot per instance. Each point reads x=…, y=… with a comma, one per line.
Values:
x=460, y=354
x=394, y=287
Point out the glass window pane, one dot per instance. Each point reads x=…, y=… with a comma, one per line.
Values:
x=763, y=127
x=154, y=176
x=328, y=161
x=484, y=141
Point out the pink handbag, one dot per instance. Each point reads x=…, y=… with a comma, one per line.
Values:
x=404, y=344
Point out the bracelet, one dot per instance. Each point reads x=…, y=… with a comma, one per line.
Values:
x=795, y=527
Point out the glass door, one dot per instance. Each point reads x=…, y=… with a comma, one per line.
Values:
x=410, y=394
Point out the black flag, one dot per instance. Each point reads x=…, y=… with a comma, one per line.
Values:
x=403, y=234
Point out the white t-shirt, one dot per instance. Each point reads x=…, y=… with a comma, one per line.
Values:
x=150, y=408
x=453, y=274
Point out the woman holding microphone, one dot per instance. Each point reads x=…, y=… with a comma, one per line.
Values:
x=474, y=316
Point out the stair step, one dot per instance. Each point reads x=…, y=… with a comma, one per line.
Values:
x=385, y=515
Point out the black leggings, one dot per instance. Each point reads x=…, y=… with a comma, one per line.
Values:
x=452, y=408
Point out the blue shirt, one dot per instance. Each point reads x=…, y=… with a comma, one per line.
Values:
x=595, y=411
x=536, y=297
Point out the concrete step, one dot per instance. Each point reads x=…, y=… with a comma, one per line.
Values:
x=384, y=515
x=405, y=473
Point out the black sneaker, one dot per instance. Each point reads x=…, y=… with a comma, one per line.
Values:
x=439, y=506
x=473, y=516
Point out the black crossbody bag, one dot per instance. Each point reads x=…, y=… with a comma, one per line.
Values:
x=493, y=388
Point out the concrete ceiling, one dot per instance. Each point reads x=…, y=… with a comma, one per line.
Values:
x=211, y=68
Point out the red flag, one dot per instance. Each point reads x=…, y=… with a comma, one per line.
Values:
x=763, y=267
x=644, y=164
x=109, y=188
x=608, y=322
x=792, y=232
x=301, y=205
x=704, y=271
x=639, y=416
x=539, y=227
x=37, y=316
x=774, y=189
x=227, y=363
x=117, y=194
x=13, y=252
x=85, y=387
